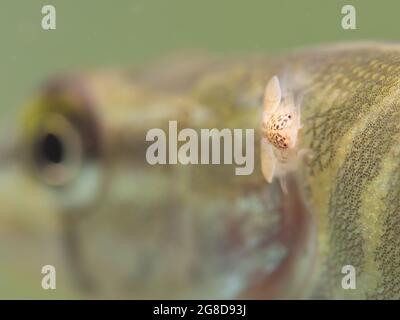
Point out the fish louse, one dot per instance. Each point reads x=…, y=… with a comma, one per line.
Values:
x=280, y=125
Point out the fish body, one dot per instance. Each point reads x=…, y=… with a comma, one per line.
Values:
x=201, y=229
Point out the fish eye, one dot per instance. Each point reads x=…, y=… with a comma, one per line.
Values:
x=51, y=149
x=62, y=143
x=57, y=152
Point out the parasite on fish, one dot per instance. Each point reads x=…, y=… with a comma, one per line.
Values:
x=280, y=126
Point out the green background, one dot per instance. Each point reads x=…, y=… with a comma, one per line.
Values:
x=93, y=33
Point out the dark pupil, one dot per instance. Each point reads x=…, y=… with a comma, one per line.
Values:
x=52, y=149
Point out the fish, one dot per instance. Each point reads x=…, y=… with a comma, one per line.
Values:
x=139, y=231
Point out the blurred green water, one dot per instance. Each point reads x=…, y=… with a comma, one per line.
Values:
x=98, y=33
